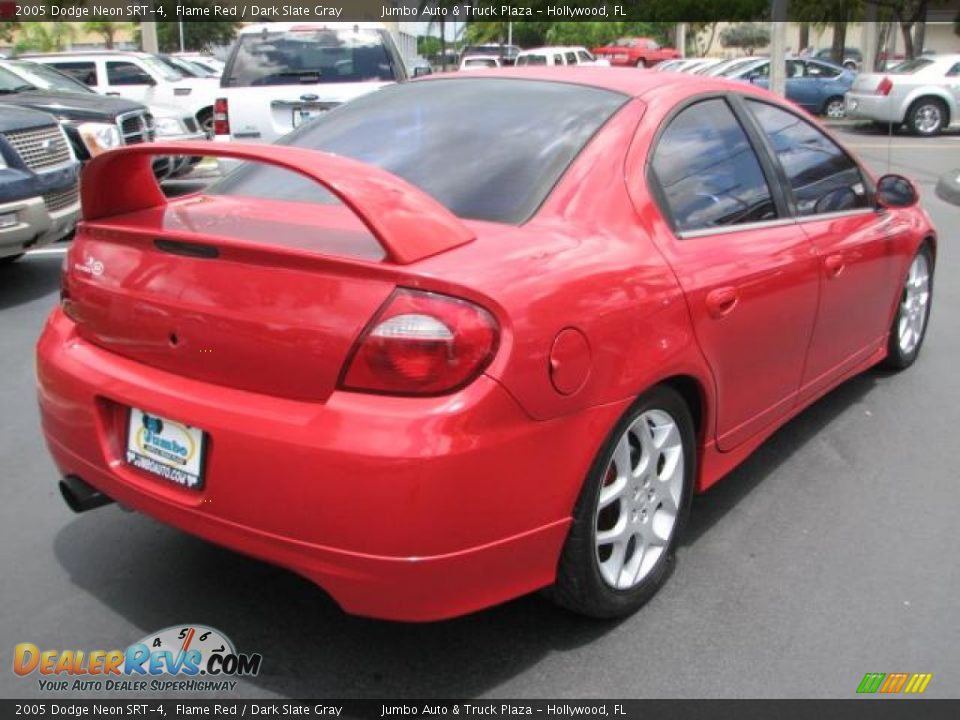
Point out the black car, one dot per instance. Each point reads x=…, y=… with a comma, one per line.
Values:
x=94, y=123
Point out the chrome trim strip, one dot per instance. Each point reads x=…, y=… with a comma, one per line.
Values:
x=779, y=222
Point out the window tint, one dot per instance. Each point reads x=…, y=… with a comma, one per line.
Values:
x=532, y=60
x=486, y=148
x=85, y=72
x=125, y=73
x=954, y=71
x=571, y=58
x=708, y=171
x=558, y=59
x=817, y=70
x=911, y=66
x=305, y=54
x=584, y=56
x=823, y=178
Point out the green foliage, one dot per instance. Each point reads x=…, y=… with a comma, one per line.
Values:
x=745, y=36
x=586, y=33
x=428, y=46
x=197, y=35
x=44, y=37
x=7, y=28
x=107, y=30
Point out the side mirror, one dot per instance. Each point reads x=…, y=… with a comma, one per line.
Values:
x=895, y=191
x=421, y=70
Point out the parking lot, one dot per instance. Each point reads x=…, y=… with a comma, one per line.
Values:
x=832, y=552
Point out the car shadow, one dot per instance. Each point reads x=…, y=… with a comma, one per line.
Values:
x=711, y=506
x=869, y=129
x=155, y=576
x=28, y=279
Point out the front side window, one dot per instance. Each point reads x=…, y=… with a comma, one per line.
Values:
x=486, y=148
x=817, y=70
x=571, y=58
x=532, y=60
x=126, y=73
x=708, y=172
x=822, y=176
x=584, y=56
x=954, y=71
x=85, y=72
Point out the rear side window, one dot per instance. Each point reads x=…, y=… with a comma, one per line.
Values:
x=486, y=148
x=571, y=58
x=584, y=56
x=312, y=55
x=708, y=171
x=126, y=73
x=823, y=178
x=85, y=72
x=532, y=60
x=817, y=70
x=558, y=59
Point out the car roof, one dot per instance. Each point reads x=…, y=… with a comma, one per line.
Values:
x=627, y=81
x=307, y=25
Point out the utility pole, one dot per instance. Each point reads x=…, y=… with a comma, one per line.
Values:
x=682, y=39
x=778, y=47
x=869, y=38
x=183, y=46
x=148, y=37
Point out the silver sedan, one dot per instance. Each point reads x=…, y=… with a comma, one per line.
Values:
x=923, y=94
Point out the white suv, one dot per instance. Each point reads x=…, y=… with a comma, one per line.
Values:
x=280, y=75
x=137, y=76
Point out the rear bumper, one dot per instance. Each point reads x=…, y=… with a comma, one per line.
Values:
x=35, y=225
x=406, y=509
x=872, y=107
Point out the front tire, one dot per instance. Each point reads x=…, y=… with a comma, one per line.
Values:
x=927, y=117
x=631, y=510
x=913, y=312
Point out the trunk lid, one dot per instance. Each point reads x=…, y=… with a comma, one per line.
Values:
x=189, y=289
x=866, y=82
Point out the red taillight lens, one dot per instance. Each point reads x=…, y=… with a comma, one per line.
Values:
x=422, y=343
x=221, y=117
x=885, y=86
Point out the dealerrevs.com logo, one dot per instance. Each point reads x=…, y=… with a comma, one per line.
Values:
x=181, y=658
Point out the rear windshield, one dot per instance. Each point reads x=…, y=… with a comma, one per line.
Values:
x=532, y=60
x=311, y=55
x=480, y=62
x=911, y=66
x=486, y=148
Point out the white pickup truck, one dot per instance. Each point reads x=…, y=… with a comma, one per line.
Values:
x=280, y=75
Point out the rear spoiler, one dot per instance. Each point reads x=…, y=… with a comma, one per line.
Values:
x=408, y=223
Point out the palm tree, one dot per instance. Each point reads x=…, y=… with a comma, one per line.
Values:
x=45, y=36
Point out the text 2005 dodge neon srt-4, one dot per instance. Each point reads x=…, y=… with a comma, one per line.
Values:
x=465, y=338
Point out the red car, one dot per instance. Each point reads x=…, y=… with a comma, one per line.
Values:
x=434, y=366
x=636, y=52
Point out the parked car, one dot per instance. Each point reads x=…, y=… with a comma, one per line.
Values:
x=185, y=67
x=479, y=62
x=39, y=198
x=923, y=94
x=523, y=339
x=506, y=53
x=208, y=62
x=137, y=76
x=816, y=86
x=94, y=123
x=729, y=67
x=559, y=55
x=280, y=75
x=852, y=57
x=636, y=51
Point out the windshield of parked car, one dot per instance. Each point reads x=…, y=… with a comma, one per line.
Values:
x=311, y=55
x=486, y=148
x=911, y=66
x=45, y=77
x=158, y=67
x=10, y=83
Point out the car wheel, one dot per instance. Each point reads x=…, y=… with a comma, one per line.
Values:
x=631, y=510
x=927, y=116
x=205, y=118
x=850, y=65
x=835, y=108
x=910, y=323
x=10, y=259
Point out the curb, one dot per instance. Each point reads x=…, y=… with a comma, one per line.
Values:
x=948, y=187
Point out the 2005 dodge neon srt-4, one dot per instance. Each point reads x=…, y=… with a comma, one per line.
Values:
x=465, y=338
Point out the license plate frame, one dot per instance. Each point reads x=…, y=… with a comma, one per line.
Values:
x=166, y=449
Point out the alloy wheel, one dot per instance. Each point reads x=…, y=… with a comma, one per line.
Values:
x=913, y=305
x=928, y=118
x=639, y=499
x=836, y=109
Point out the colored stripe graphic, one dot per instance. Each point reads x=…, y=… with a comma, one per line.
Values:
x=918, y=682
x=871, y=682
x=890, y=684
x=894, y=683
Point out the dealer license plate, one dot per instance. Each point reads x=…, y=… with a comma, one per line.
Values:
x=163, y=447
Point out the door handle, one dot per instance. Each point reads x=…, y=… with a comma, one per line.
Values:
x=112, y=94
x=834, y=265
x=722, y=301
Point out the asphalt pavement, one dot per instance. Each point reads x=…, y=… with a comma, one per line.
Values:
x=832, y=552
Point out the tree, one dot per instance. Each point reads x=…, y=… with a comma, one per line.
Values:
x=44, y=37
x=107, y=30
x=197, y=35
x=746, y=36
x=6, y=29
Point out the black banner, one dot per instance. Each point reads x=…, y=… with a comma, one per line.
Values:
x=872, y=709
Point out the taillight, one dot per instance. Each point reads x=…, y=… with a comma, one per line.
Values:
x=885, y=86
x=421, y=343
x=221, y=117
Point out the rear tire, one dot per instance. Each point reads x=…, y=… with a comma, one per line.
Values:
x=205, y=120
x=913, y=312
x=835, y=108
x=927, y=117
x=637, y=496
